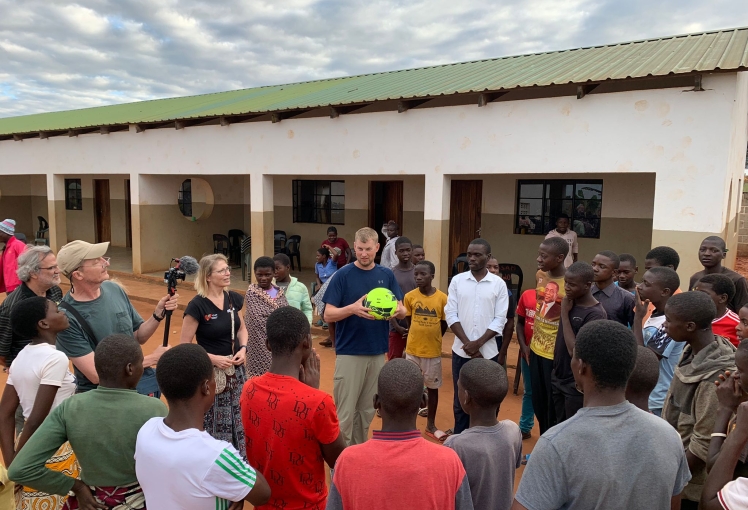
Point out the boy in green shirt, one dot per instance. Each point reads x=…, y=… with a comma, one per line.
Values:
x=102, y=426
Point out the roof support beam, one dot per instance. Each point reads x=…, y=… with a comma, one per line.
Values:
x=224, y=121
x=583, y=90
x=404, y=106
x=487, y=97
x=179, y=124
x=275, y=118
x=17, y=138
x=43, y=135
x=72, y=132
x=104, y=130
x=697, y=84
x=139, y=128
x=336, y=111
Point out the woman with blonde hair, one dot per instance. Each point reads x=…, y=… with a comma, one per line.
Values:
x=212, y=317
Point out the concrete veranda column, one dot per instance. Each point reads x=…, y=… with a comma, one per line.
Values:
x=58, y=236
x=261, y=213
x=436, y=226
x=137, y=264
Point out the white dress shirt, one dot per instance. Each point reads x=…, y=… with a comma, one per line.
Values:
x=478, y=306
x=389, y=259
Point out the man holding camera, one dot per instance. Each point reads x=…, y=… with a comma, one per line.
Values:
x=98, y=308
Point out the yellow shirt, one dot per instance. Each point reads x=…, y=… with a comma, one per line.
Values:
x=427, y=314
x=547, y=314
x=7, y=499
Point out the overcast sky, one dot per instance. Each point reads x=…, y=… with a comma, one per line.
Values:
x=59, y=56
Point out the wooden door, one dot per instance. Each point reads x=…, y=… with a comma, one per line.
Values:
x=385, y=204
x=464, y=216
x=103, y=217
x=128, y=215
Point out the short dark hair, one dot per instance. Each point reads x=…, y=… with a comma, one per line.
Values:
x=646, y=372
x=400, y=387
x=113, y=354
x=264, y=262
x=666, y=278
x=417, y=246
x=181, y=371
x=563, y=216
x=25, y=316
x=615, y=259
x=430, y=265
x=286, y=328
x=721, y=284
x=393, y=223
x=402, y=240
x=582, y=269
x=627, y=257
x=485, y=381
x=481, y=242
x=324, y=251
x=664, y=256
x=716, y=240
x=694, y=307
x=609, y=348
x=332, y=229
x=557, y=245
x=282, y=258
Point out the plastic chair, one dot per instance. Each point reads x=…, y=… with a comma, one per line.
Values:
x=246, y=255
x=512, y=275
x=279, y=241
x=221, y=244
x=41, y=234
x=235, y=249
x=460, y=265
x=293, y=249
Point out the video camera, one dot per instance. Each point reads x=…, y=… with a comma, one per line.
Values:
x=179, y=271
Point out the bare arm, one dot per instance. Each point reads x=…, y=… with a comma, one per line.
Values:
x=260, y=493
x=45, y=397
x=86, y=365
x=570, y=339
x=521, y=339
x=724, y=467
x=640, y=311
x=146, y=330
x=331, y=452
x=8, y=406
x=335, y=314
x=517, y=506
x=189, y=328
x=675, y=502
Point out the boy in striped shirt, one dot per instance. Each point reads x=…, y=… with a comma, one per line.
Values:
x=177, y=463
x=720, y=288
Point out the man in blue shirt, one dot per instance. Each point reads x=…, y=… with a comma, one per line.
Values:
x=360, y=341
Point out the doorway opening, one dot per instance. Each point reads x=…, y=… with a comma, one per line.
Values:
x=103, y=215
x=385, y=204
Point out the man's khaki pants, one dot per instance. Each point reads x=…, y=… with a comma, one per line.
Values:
x=354, y=387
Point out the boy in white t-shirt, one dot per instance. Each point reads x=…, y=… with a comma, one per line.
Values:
x=39, y=378
x=178, y=464
x=562, y=230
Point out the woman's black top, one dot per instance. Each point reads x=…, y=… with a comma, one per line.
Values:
x=214, y=324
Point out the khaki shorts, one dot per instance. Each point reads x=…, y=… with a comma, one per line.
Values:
x=431, y=368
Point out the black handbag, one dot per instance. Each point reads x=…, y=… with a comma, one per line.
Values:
x=147, y=384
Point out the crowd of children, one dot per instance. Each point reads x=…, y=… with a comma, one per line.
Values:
x=637, y=388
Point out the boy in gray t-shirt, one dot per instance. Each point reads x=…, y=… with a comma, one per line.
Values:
x=490, y=450
x=610, y=455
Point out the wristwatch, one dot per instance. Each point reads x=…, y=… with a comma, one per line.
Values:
x=242, y=347
x=158, y=318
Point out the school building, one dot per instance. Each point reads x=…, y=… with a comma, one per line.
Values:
x=641, y=143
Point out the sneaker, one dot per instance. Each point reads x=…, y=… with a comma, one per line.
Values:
x=526, y=435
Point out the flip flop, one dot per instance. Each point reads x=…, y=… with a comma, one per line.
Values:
x=439, y=435
x=423, y=412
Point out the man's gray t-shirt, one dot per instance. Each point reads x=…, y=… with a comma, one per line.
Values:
x=613, y=457
x=110, y=313
x=490, y=455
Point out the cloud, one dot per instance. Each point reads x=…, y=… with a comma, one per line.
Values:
x=98, y=52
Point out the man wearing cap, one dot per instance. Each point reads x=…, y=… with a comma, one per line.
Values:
x=104, y=306
x=9, y=262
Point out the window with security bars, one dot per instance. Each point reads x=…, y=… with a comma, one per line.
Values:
x=185, y=198
x=73, y=195
x=541, y=202
x=319, y=202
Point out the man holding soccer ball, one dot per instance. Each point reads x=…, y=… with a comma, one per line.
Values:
x=360, y=339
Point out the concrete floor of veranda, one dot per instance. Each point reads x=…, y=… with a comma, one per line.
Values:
x=146, y=291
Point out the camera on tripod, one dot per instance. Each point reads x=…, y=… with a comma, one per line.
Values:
x=178, y=270
x=174, y=274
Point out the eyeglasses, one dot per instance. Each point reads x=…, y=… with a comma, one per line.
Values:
x=52, y=268
x=103, y=261
x=224, y=271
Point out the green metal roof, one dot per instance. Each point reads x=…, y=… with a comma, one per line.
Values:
x=724, y=50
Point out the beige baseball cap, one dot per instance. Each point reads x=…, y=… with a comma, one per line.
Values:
x=72, y=255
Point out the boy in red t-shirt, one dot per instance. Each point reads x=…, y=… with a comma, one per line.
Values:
x=290, y=426
x=340, y=245
x=525, y=321
x=387, y=471
x=720, y=288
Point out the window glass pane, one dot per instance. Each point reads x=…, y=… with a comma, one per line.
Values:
x=587, y=227
x=530, y=207
x=323, y=187
x=338, y=188
x=568, y=191
x=556, y=207
x=338, y=202
x=527, y=190
x=588, y=191
x=322, y=201
x=323, y=216
x=337, y=217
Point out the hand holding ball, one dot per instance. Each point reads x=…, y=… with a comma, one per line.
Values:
x=381, y=302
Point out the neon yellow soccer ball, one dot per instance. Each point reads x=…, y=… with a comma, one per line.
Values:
x=381, y=302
